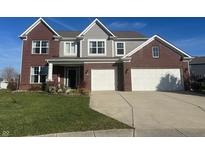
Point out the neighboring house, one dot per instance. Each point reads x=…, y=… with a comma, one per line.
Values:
x=3, y=84
x=197, y=67
x=100, y=59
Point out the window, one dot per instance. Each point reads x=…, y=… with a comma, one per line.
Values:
x=96, y=47
x=40, y=47
x=120, y=48
x=69, y=48
x=155, y=52
x=39, y=74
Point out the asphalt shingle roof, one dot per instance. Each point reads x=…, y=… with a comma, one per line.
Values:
x=68, y=33
x=119, y=34
x=128, y=34
x=198, y=60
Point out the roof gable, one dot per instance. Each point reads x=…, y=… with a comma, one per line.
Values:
x=149, y=41
x=96, y=21
x=28, y=30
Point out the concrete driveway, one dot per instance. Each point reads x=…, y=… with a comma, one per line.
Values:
x=154, y=113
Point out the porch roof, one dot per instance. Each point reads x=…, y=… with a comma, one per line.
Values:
x=71, y=60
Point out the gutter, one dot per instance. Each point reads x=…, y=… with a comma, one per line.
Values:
x=82, y=61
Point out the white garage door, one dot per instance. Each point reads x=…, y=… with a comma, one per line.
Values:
x=102, y=79
x=156, y=79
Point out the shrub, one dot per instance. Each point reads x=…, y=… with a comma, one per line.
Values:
x=12, y=85
x=48, y=86
x=52, y=89
x=35, y=87
x=43, y=87
x=83, y=91
x=67, y=91
x=59, y=90
x=82, y=84
x=196, y=86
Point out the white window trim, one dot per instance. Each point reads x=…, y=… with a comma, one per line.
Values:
x=40, y=47
x=116, y=49
x=64, y=44
x=39, y=68
x=97, y=54
x=153, y=56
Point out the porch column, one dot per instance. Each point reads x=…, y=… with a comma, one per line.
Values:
x=50, y=72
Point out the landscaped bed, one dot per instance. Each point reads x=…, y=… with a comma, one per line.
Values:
x=32, y=113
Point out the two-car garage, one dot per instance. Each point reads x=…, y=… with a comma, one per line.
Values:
x=141, y=79
x=155, y=65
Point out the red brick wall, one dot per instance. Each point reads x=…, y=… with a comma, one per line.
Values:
x=40, y=32
x=143, y=59
x=127, y=76
x=186, y=75
x=167, y=58
x=58, y=72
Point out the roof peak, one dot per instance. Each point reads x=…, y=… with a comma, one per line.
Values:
x=39, y=20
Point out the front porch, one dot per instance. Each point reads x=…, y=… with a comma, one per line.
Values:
x=105, y=74
x=69, y=76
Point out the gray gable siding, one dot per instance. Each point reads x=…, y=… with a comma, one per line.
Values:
x=129, y=45
x=96, y=32
x=61, y=50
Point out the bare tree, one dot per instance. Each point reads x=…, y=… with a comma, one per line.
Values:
x=9, y=73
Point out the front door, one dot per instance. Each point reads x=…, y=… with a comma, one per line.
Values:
x=71, y=78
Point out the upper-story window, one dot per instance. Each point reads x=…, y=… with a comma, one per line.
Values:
x=120, y=48
x=96, y=47
x=70, y=49
x=155, y=51
x=39, y=74
x=40, y=47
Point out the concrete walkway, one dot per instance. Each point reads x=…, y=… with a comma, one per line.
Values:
x=97, y=133
x=154, y=113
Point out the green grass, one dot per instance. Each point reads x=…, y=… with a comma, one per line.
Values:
x=25, y=114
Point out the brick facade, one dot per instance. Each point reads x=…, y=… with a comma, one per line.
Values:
x=40, y=32
x=143, y=59
x=168, y=58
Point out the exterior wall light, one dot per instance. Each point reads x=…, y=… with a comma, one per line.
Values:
x=86, y=72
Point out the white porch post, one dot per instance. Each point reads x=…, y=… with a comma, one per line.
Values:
x=50, y=72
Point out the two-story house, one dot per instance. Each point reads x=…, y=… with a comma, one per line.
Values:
x=101, y=59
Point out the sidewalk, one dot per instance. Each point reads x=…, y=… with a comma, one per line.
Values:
x=97, y=133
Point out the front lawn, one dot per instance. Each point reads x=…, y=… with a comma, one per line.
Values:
x=25, y=114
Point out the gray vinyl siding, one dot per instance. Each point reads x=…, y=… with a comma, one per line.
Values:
x=96, y=32
x=61, y=50
x=198, y=70
x=129, y=45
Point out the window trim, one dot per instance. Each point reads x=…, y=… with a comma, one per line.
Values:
x=97, y=54
x=75, y=48
x=39, y=78
x=153, y=56
x=116, y=54
x=40, y=52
